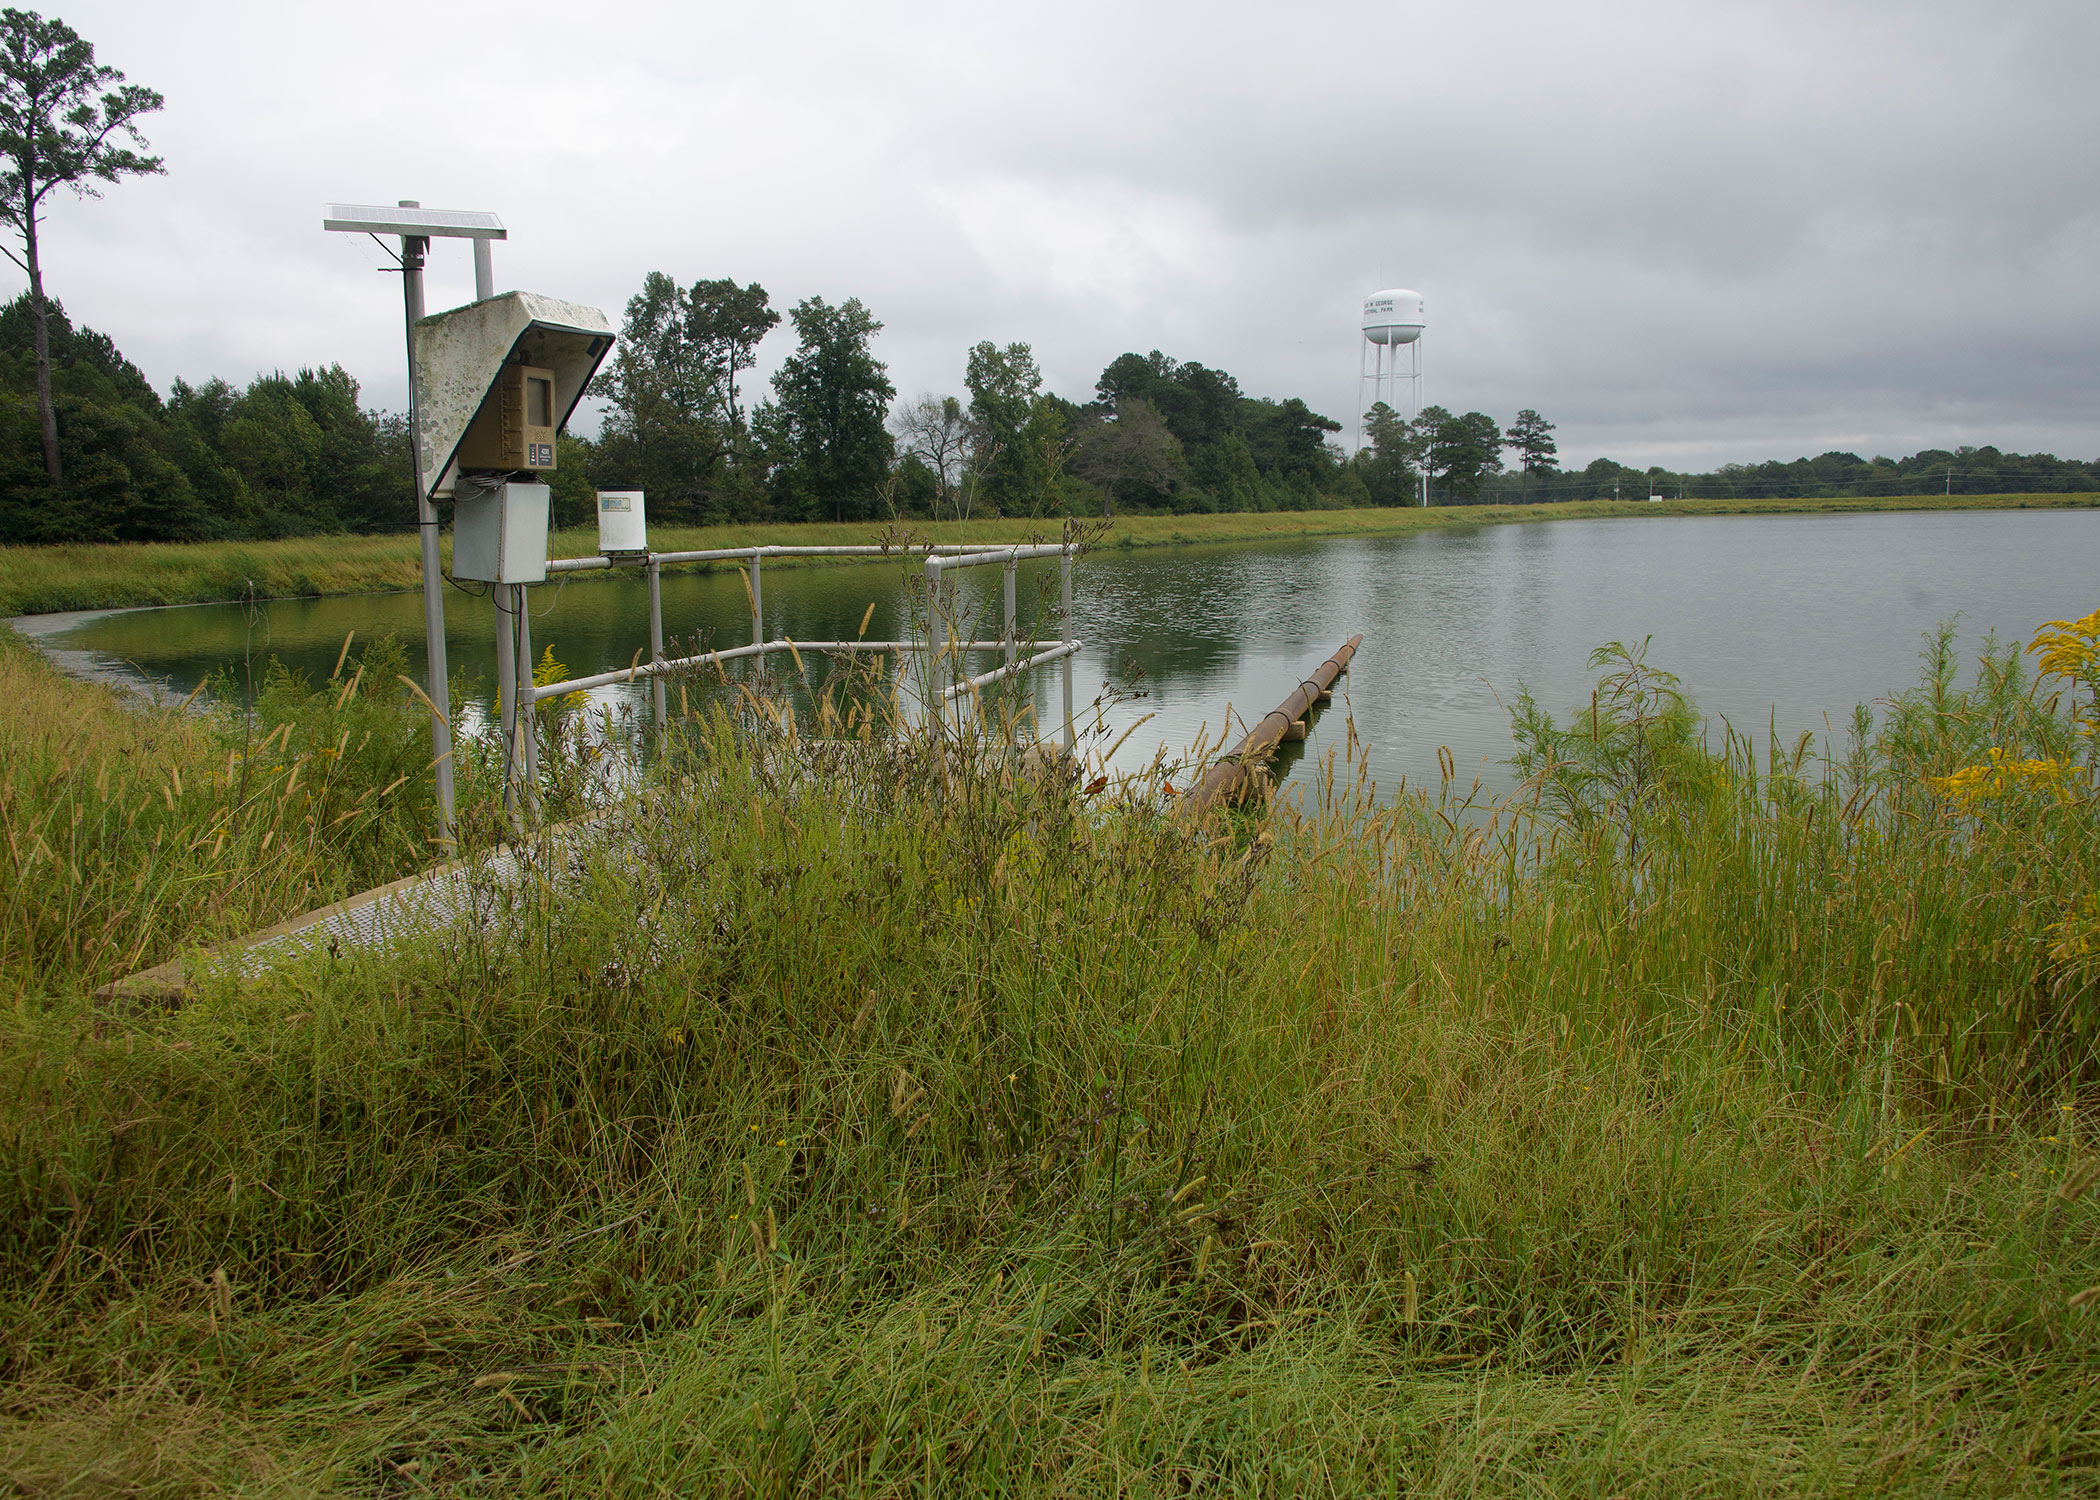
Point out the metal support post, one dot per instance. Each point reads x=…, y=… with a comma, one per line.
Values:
x=528, y=722
x=656, y=639
x=1064, y=634
x=507, y=688
x=484, y=270
x=758, y=601
x=936, y=634
x=413, y=247
x=1013, y=618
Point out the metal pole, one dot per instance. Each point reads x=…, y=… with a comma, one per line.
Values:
x=1064, y=634
x=1415, y=396
x=936, y=634
x=656, y=637
x=413, y=247
x=528, y=722
x=1013, y=618
x=758, y=601
x=1363, y=347
x=484, y=270
x=507, y=688
x=1012, y=632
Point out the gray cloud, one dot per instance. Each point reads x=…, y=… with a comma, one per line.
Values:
x=1689, y=234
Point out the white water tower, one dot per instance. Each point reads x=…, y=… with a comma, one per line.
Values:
x=1390, y=358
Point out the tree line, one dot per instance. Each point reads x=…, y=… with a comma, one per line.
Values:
x=89, y=451
x=1965, y=470
x=826, y=439
x=288, y=455
x=831, y=441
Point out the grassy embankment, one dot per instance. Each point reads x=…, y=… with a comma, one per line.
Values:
x=1698, y=1123
x=37, y=580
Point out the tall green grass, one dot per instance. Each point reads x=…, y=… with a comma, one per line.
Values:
x=869, y=1115
x=132, y=831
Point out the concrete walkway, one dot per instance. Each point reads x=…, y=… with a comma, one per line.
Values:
x=468, y=892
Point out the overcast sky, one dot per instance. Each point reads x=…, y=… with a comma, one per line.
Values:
x=1689, y=234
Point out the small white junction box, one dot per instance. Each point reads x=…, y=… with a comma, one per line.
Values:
x=500, y=535
x=621, y=523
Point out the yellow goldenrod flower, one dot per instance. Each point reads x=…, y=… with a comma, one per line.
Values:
x=2003, y=776
x=2070, y=648
x=546, y=674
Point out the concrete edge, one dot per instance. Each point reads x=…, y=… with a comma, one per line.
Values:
x=167, y=984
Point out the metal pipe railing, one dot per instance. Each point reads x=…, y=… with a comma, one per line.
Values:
x=644, y=671
x=939, y=557
x=1012, y=669
x=1019, y=552
x=973, y=550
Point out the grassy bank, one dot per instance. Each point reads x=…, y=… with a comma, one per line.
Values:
x=132, y=832
x=37, y=580
x=1704, y=1121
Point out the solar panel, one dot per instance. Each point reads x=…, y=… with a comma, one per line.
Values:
x=450, y=223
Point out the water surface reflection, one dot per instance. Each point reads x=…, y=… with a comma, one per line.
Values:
x=1786, y=620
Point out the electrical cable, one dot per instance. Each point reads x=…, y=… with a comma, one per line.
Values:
x=542, y=614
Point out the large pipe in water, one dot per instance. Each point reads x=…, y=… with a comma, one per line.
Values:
x=1232, y=777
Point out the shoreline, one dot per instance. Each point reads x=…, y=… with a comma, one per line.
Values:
x=98, y=668
x=77, y=580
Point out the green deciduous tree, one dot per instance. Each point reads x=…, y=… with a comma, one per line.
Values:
x=293, y=455
x=60, y=116
x=723, y=324
x=1243, y=452
x=826, y=421
x=1132, y=454
x=674, y=426
x=1015, y=433
x=1288, y=440
x=1224, y=477
x=1199, y=405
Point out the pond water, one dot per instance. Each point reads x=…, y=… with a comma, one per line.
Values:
x=1768, y=620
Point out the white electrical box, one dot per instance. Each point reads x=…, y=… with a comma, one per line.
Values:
x=500, y=535
x=621, y=523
